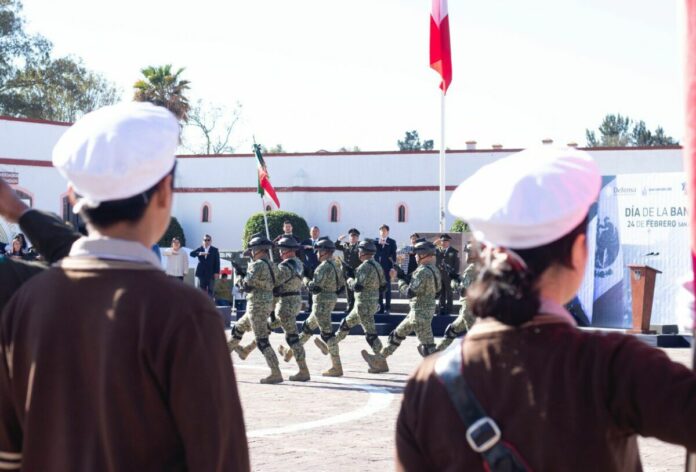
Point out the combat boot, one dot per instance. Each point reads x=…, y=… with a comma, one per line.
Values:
x=336, y=369
x=303, y=374
x=286, y=352
x=322, y=346
x=376, y=362
x=243, y=352
x=275, y=378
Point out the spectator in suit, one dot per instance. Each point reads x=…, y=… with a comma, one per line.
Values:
x=208, y=264
x=288, y=233
x=412, y=264
x=351, y=257
x=386, y=256
x=448, y=263
x=310, y=257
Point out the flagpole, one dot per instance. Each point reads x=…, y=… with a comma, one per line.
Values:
x=442, y=163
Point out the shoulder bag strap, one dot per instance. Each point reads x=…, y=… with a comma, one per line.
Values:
x=271, y=270
x=482, y=434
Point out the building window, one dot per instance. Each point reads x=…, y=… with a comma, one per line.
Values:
x=401, y=213
x=205, y=213
x=268, y=208
x=25, y=197
x=333, y=216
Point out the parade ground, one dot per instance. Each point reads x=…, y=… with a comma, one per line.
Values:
x=347, y=423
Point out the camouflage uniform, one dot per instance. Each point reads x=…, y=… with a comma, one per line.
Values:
x=290, y=303
x=422, y=291
x=369, y=278
x=328, y=278
x=259, y=282
x=466, y=319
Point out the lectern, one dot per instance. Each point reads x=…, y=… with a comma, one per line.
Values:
x=642, y=291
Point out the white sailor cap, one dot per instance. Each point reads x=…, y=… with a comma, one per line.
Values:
x=530, y=198
x=117, y=152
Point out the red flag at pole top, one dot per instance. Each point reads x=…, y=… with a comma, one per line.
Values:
x=265, y=189
x=440, y=53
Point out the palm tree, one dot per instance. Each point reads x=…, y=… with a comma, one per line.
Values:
x=164, y=88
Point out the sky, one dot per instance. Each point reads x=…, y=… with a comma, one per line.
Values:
x=323, y=74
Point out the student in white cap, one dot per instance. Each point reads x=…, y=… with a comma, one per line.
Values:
x=525, y=387
x=116, y=366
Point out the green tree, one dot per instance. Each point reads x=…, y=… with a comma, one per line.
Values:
x=275, y=218
x=165, y=88
x=460, y=226
x=621, y=131
x=173, y=230
x=60, y=89
x=33, y=84
x=412, y=142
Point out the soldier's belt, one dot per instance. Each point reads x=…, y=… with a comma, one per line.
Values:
x=289, y=294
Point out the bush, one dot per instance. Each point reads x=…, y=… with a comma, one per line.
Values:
x=173, y=230
x=275, y=225
x=460, y=226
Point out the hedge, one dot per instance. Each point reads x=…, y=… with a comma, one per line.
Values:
x=173, y=230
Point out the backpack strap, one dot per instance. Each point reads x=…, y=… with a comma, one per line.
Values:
x=482, y=434
x=270, y=269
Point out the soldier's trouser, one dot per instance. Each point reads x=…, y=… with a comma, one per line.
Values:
x=286, y=317
x=363, y=313
x=421, y=324
x=321, y=318
x=446, y=295
x=459, y=326
x=350, y=299
x=259, y=324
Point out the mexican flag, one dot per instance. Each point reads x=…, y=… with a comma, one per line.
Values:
x=265, y=188
x=440, y=54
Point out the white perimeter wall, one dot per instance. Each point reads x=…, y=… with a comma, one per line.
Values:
x=228, y=183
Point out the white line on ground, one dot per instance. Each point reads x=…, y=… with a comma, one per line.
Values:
x=379, y=398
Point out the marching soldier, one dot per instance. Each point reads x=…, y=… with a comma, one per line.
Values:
x=351, y=257
x=422, y=289
x=448, y=263
x=366, y=281
x=289, y=303
x=465, y=320
x=325, y=285
x=258, y=281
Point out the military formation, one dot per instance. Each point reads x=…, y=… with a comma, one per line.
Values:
x=274, y=299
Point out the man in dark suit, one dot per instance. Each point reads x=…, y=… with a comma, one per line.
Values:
x=386, y=256
x=208, y=264
x=310, y=257
x=287, y=233
x=447, y=262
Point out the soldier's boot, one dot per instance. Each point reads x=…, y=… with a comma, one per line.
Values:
x=271, y=360
x=336, y=369
x=303, y=374
x=322, y=346
x=243, y=352
x=377, y=363
x=275, y=378
x=286, y=352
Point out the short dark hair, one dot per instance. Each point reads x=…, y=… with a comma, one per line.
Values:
x=415, y=235
x=128, y=210
x=384, y=227
x=287, y=222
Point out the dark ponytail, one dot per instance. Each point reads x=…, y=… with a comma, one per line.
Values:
x=509, y=293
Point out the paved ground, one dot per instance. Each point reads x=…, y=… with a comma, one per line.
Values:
x=347, y=424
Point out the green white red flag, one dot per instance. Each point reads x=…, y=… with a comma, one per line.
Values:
x=440, y=53
x=265, y=188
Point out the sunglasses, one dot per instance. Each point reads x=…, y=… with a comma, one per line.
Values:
x=206, y=239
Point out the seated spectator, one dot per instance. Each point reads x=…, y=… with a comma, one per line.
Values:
x=177, y=260
x=18, y=248
x=223, y=289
